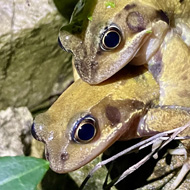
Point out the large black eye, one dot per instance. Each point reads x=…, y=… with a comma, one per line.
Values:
x=84, y=130
x=111, y=38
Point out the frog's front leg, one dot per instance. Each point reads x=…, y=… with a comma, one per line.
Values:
x=183, y=172
x=172, y=120
x=170, y=67
x=168, y=118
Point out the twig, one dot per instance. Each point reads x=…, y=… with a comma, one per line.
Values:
x=150, y=141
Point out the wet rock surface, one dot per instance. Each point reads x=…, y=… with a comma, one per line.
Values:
x=15, y=134
x=33, y=67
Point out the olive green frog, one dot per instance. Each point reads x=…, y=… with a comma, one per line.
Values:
x=130, y=32
x=108, y=110
x=86, y=120
x=137, y=101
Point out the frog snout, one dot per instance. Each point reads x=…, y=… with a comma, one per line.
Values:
x=34, y=133
x=64, y=156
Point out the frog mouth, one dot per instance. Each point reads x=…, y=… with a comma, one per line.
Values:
x=72, y=156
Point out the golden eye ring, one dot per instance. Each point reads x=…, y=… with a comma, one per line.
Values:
x=111, y=38
x=85, y=130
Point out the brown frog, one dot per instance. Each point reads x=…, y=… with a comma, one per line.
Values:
x=86, y=119
x=117, y=109
x=131, y=30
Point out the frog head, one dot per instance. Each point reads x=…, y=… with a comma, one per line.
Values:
x=114, y=37
x=86, y=119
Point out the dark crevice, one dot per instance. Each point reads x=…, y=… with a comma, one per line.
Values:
x=140, y=175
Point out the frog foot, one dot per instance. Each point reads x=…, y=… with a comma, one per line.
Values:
x=157, y=141
x=185, y=168
x=178, y=151
x=183, y=172
x=157, y=144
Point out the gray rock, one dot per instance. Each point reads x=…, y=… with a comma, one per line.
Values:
x=15, y=134
x=32, y=65
x=96, y=181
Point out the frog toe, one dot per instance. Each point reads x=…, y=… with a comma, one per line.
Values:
x=183, y=172
x=178, y=151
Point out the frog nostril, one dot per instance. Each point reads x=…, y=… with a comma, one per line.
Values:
x=64, y=156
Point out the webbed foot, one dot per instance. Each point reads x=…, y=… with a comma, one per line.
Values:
x=185, y=168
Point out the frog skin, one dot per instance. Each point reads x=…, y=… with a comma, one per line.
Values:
x=170, y=68
x=139, y=28
x=121, y=108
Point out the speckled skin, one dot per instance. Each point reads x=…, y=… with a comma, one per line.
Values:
x=126, y=96
x=125, y=107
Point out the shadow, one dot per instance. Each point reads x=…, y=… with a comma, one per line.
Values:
x=65, y=7
x=54, y=181
x=139, y=177
x=128, y=72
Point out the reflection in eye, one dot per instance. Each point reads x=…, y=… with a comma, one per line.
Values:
x=84, y=130
x=111, y=38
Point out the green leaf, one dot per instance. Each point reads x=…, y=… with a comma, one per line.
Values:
x=79, y=17
x=21, y=173
x=65, y=7
x=149, y=31
x=110, y=4
x=90, y=18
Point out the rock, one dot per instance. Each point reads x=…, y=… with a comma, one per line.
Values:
x=154, y=174
x=33, y=67
x=96, y=181
x=15, y=134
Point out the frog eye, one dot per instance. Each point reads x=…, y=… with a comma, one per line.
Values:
x=84, y=130
x=111, y=38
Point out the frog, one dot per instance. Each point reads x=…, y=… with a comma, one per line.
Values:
x=87, y=119
x=169, y=106
x=170, y=68
x=131, y=32
x=55, y=127
x=157, y=101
